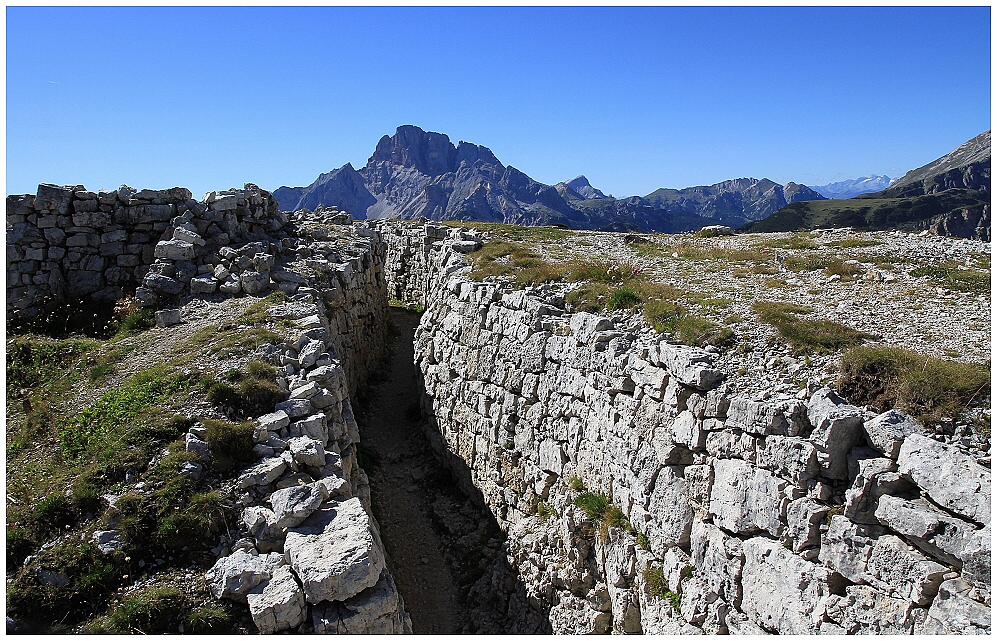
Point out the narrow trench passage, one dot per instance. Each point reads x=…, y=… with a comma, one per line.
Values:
x=438, y=542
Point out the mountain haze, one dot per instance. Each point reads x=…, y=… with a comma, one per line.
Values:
x=415, y=174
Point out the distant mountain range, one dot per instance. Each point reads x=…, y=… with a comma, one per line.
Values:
x=853, y=187
x=415, y=174
x=950, y=195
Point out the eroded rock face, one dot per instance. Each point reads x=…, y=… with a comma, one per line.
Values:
x=951, y=479
x=336, y=552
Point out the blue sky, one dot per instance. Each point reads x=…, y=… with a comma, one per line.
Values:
x=635, y=98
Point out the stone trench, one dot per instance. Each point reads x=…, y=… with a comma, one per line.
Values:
x=438, y=492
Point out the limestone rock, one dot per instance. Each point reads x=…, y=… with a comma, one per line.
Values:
x=975, y=559
x=764, y=418
x=109, y=541
x=336, y=552
x=781, y=590
x=875, y=477
x=235, y=575
x=952, y=612
x=938, y=534
x=307, y=451
x=293, y=505
x=585, y=326
x=691, y=366
x=266, y=471
x=910, y=573
x=865, y=610
x=203, y=285
x=847, y=546
x=886, y=432
x=377, y=610
x=952, y=479
x=278, y=604
x=745, y=499
x=174, y=250
x=837, y=429
x=789, y=457
x=718, y=559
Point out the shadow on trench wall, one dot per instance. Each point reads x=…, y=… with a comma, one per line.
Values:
x=445, y=549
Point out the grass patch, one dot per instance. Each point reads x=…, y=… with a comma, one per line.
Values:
x=594, y=505
x=928, y=388
x=161, y=610
x=806, y=335
x=118, y=406
x=257, y=313
x=231, y=444
x=576, y=484
x=545, y=511
x=33, y=361
x=950, y=277
x=137, y=321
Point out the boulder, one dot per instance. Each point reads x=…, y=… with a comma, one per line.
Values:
x=295, y=407
x=254, y=282
x=886, y=432
x=231, y=285
x=718, y=559
x=275, y=421
x=781, y=591
x=874, y=478
x=935, y=532
x=278, y=604
x=975, y=559
x=786, y=418
x=790, y=457
x=377, y=610
x=953, y=612
x=847, y=546
x=803, y=520
x=314, y=426
x=109, y=541
x=837, y=429
x=187, y=235
x=307, y=451
x=336, y=552
x=266, y=471
x=167, y=317
x=235, y=575
x=691, y=366
x=585, y=326
x=163, y=285
x=293, y=505
x=912, y=575
x=746, y=499
x=174, y=250
x=203, y=285
x=309, y=353
x=865, y=610
x=952, y=479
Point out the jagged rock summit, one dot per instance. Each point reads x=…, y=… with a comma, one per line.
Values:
x=415, y=174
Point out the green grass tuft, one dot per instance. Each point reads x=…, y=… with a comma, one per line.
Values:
x=806, y=335
x=928, y=388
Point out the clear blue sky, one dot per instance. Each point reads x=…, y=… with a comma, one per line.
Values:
x=635, y=98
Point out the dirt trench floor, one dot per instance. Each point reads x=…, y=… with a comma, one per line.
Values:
x=396, y=456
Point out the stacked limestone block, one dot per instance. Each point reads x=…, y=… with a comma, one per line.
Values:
x=792, y=514
x=66, y=242
x=311, y=556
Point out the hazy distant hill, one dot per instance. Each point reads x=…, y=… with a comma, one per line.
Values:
x=853, y=187
x=415, y=174
x=950, y=195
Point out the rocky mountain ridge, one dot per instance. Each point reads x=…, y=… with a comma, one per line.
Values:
x=853, y=186
x=415, y=174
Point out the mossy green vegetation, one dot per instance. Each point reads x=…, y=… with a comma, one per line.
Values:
x=162, y=609
x=806, y=335
x=231, y=444
x=926, y=387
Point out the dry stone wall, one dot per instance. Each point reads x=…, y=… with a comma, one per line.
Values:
x=68, y=243
x=783, y=513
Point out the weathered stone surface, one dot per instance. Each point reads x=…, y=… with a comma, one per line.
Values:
x=686, y=430
x=295, y=407
x=784, y=419
x=203, y=285
x=718, y=559
x=690, y=365
x=377, y=610
x=936, y=533
x=886, y=432
x=309, y=353
x=174, y=250
x=336, y=552
x=266, y=471
x=109, y=541
x=293, y=505
x=163, y=285
x=910, y=573
x=254, y=282
x=585, y=325
x=231, y=285
x=865, y=610
x=875, y=477
x=167, y=317
x=745, y=499
x=803, y=519
x=278, y=604
x=847, y=546
x=781, y=591
x=307, y=451
x=953, y=612
x=975, y=559
x=789, y=457
x=837, y=429
x=235, y=575
x=952, y=479
x=671, y=523
x=275, y=421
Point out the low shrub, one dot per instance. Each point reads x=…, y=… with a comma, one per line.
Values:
x=926, y=387
x=231, y=444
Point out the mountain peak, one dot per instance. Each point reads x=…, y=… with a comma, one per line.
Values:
x=429, y=152
x=581, y=186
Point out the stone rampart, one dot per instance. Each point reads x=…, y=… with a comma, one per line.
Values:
x=68, y=243
x=781, y=513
